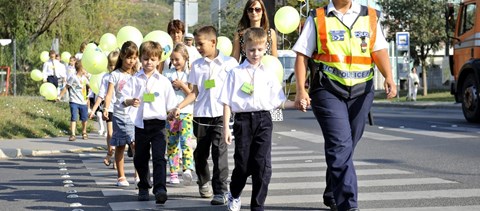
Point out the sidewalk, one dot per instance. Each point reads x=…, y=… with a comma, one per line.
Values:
x=17, y=148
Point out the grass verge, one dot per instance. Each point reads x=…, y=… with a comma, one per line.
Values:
x=34, y=117
x=433, y=95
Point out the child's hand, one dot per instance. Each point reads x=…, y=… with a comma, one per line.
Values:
x=135, y=102
x=303, y=103
x=105, y=115
x=177, y=83
x=227, y=136
x=91, y=115
x=173, y=114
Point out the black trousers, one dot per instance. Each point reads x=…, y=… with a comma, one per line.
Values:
x=53, y=79
x=342, y=122
x=209, y=136
x=253, y=146
x=151, y=137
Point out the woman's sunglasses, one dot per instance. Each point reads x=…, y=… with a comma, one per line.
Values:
x=256, y=9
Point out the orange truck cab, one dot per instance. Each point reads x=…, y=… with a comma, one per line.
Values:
x=465, y=61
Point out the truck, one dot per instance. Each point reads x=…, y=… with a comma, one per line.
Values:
x=465, y=61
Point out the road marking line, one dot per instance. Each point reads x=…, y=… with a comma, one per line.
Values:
x=450, y=208
x=383, y=137
x=315, y=138
x=437, y=134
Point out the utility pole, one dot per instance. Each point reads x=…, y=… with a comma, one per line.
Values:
x=186, y=16
x=219, y=16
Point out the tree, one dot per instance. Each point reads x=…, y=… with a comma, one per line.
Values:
x=423, y=19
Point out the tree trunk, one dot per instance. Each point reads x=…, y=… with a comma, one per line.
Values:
x=424, y=78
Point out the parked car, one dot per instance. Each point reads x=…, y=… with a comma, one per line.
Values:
x=290, y=86
x=287, y=58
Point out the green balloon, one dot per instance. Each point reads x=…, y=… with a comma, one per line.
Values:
x=36, y=75
x=165, y=41
x=90, y=47
x=129, y=33
x=272, y=63
x=44, y=56
x=224, y=45
x=94, y=61
x=96, y=82
x=108, y=42
x=49, y=91
x=287, y=19
x=65, y=57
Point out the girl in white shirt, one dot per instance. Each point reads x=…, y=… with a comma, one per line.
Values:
x=180, y=130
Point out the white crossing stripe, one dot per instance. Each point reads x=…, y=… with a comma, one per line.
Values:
x=450, y=208
x=383, y=137
x=381, y=196
x=360, y=172
x=437, y=134
x=171, y=203
x=304, y=136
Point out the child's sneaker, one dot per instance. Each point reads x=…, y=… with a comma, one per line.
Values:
x=187, y=177
x=233, y=204
x=122, y=182
x=174, y=178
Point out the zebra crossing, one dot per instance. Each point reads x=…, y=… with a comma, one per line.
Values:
x=298, y=181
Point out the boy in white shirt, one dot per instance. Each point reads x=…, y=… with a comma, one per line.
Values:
x=207, y=76
x=151, y=95
x=250, y=92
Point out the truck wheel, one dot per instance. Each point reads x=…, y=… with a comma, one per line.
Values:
x=471, y=101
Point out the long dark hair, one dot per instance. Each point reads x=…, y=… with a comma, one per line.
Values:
x=244, y=22
x=129, y=48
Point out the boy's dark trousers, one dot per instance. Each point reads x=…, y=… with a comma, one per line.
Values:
x=152, y=136
x=211, y=137
x=253, y=146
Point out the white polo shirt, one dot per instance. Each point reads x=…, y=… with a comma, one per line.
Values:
x=207, y=104
x=307, y=41
x=159, y=86
x=267, y=90
x=102, y=91
x=54, y=67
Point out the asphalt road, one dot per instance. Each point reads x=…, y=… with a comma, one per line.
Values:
x=411, y=159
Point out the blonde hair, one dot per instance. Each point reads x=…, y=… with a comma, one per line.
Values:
x=151, y=49
x=182, y=49
x=112, y=59
x=255, y=35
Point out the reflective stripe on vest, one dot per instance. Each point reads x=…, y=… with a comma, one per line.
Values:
x=346, y=52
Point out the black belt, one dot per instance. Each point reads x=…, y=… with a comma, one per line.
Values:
x=252, y=113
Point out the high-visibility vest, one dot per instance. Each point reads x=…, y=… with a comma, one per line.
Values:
x=346, y=53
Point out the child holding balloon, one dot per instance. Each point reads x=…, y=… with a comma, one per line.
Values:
x=123, y=128
x=180, y=130
x=77, y=91
x=112, y=60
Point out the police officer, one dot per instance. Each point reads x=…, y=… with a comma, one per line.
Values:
x=341, y=43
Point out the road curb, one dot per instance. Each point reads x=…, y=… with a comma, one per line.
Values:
x=420, y=105
x=9, y=153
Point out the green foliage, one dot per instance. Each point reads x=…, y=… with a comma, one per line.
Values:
x=39, y=119
x=424, y=19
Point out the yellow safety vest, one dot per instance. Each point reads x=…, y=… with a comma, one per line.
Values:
x=346, y=53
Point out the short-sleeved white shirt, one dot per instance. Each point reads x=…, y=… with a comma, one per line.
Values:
x=307, y=41
x=172, y=75
x=207, y=104
x=156, y=84
x=102, y=91
x=118, y=79
x=267, y=94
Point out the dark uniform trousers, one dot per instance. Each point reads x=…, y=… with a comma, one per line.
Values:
x=342, y=122
x=211, y=137
x=151, y=137
x=253, y=146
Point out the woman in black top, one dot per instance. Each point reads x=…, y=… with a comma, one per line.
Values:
x=254, y=15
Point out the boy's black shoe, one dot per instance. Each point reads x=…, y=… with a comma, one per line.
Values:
x=161, y=197
x=143, y=195
x=129, y=151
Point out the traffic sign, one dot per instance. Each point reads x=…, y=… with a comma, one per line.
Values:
x=403, y=41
